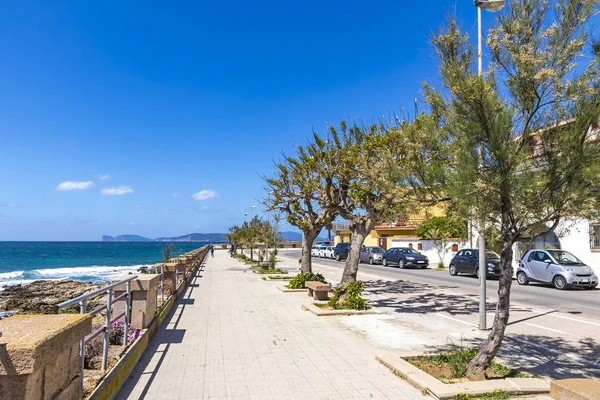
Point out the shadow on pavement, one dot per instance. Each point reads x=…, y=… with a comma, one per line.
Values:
x=422, y=298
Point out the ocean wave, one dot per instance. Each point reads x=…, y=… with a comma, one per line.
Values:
x=94, y=273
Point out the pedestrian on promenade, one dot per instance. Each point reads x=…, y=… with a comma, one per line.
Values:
x=231, y=251
x=212, y=250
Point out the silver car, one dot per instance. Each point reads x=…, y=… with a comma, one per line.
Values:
x=558, y=267
x=371, y=254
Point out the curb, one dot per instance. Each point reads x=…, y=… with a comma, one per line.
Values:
x=287, y=290
x=323, y=313
x=444, y=391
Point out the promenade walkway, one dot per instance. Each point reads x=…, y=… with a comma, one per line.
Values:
x=234, y=335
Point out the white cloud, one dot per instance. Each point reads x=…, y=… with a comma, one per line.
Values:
x=176, y=194
x=116, y=191
x=205, y=194
x=103, y=177
x=12, y=205
x=68, y=185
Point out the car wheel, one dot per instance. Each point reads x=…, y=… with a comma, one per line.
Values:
x=359, y=260
x=338, y=258
x=452, y=269
x=401, y=264
x=559, y=282
x=384, y=262
x=522, y=278
x=371, y=261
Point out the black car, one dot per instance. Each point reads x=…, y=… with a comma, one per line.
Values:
x=404, y=257
x=466, y=261
x=340, y=251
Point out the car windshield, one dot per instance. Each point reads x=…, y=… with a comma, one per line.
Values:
x=376, y=250
x=411, y=251
x=491, y=254
x=564, y=257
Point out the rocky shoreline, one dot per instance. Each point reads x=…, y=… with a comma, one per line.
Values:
x=40, y=297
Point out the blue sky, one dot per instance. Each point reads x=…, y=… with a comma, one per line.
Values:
x=137, y=106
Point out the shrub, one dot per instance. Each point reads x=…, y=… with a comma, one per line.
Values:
x=299, y=280
x=93, y=350
x=117, y=331
x=273, y=259
x=353, y=300
x=441, y=265
x=458, y=361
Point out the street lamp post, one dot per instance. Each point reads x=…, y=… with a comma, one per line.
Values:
x=252, y=213
x=491, y=6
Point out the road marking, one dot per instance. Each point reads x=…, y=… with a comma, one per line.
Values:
x=456, y=319
x=549, y=329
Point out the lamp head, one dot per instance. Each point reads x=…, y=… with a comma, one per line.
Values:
x=490, y=5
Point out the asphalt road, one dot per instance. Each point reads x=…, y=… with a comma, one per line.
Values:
x=577, y=302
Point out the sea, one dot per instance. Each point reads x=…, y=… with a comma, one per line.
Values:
x=97, y=262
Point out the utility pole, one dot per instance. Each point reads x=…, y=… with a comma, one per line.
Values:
x=492, y=6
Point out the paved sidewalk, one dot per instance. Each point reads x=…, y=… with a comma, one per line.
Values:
x=233, y=335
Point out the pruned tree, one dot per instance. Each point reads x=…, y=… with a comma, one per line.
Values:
x=526, y=155
x=302, y=189
x=383, y=173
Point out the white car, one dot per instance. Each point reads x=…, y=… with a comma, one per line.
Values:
x=328, y=252
x=316, y=251
x=321, y=253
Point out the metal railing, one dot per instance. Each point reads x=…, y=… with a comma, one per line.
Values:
x=154, y=270
x=83, y=302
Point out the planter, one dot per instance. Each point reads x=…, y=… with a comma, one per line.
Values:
x=425, y=382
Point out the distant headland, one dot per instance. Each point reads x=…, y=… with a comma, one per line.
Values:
x=192, y=237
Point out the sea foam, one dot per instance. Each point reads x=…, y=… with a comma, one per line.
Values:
x=94, y=273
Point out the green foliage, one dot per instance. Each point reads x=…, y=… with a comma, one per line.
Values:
x=299, y=280
x=272, y=258
x=168, y=252
x=458, y=361
x=353, y=299
x=269, y=271
x=495, y=395
x=443, y=228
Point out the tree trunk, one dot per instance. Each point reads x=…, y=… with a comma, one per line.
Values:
x=308, y=239
x=359, y=233
x=492, y=344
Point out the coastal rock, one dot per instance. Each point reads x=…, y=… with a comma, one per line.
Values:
x=42, y=296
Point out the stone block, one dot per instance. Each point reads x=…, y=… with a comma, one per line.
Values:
x=59, y=372
x=36, y=354
x=143, y=300
x=71, y=392
x=143, y=282
x=575, y=389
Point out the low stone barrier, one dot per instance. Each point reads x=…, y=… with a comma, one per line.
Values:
x=39, y=356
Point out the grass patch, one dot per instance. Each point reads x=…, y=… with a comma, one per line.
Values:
x=263, y=278
x=269, y=271
x=299, y=281
x=451, y=367
x=495, y=395
x=279, y=278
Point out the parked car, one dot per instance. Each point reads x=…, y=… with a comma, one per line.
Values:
x=466, y=261
x=314, y=251
x=558, y=267
x=340, y=251
x=371, y=254
x=328, y=252
x=404, y=257
x=322, y=251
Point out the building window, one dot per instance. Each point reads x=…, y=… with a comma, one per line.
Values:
x=420, y=246
x=595, y=237
x=410, y=245
x=454, y=248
